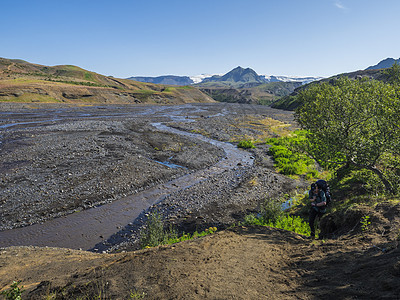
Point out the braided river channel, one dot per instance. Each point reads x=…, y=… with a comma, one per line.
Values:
x=86, y=228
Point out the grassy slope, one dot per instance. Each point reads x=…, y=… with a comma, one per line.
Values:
x=21, y=81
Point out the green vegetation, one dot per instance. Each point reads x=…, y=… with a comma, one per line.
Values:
x=393, y=74
x=188, y=236
x=14, y=293
x=29, y=97
x=85, y=83
x=290, y=155
x=155, y=234
x=169, y=90
x=173, y=89
x=289, y=102
x=185, y=87
x=246, y=144
x=88, y=76
x=272, y=215
x=365, y=223
x=137, y=295
x=278, y=89
x=353, y=125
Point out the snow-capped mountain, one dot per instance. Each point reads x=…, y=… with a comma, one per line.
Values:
x=303, y=80
x=236, y=75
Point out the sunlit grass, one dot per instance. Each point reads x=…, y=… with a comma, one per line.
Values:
x=30, y=98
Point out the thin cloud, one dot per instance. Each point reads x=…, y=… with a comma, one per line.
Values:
x=339, y=5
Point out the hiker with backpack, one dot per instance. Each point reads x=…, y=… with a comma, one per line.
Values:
x=319, y=196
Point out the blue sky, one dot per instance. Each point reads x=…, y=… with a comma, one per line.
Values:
x=126, y=38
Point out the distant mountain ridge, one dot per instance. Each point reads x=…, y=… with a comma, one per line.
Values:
x=384, y=64
x=238, y=77
x=167, y=79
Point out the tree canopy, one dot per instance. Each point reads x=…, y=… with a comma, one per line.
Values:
x=354, y=124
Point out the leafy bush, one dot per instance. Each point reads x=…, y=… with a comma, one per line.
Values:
x=271, y=210
x=246, y=144
x=14, y=293
x=154, y=233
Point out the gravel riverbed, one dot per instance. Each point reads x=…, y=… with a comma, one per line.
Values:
x=57, y=160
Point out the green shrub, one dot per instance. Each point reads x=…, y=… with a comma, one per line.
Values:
x=155, y=234
x=281, y=162
x=286, y=222
x=14, y=293
x=312, y=174
x=289, y=170
x=365, y=222
x=271, y=215
x=246, y=144
x=271, y=210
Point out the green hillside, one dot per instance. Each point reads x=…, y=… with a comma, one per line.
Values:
x=291, y=101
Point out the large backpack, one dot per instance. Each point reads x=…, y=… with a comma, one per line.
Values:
x=323, y=185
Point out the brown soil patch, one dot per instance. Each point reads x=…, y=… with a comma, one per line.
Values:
x=240, y=263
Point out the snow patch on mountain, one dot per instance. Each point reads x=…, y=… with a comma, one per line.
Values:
x=200, y=78
x=303, y=80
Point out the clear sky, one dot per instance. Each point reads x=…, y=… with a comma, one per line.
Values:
x=126, y=38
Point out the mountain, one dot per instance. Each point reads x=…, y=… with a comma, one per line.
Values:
x=21, y=81
x=246, y=86
x=384, y=64
x=245, y=78
x=167, y=79
x=265, y=93
x=237, y=77
x=240, y=85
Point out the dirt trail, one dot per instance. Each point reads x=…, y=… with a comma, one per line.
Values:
x=241, y=263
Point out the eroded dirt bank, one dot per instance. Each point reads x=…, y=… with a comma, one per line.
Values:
x=241, y=263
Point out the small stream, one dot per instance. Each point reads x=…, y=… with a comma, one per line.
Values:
x=85, y=229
